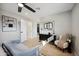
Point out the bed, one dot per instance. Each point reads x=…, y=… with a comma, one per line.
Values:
x=2, y=53
x=19, y=49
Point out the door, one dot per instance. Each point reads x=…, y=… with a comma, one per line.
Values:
x=23, y=30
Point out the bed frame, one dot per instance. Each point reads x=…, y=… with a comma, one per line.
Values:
x=6, y=50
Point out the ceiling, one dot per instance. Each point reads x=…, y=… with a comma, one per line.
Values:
x=42, y=9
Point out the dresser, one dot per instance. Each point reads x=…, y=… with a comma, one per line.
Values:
x=44, y=36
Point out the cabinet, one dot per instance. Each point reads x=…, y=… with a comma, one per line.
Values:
x=44, y=36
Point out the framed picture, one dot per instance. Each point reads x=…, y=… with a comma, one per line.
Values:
x=48, y=25
x=8, y=23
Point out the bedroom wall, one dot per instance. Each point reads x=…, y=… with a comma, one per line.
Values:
x=75, y=27
x=62, y=23
x=8, y=36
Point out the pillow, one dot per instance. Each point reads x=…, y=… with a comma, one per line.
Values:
x=50, y=38
x=65, y=45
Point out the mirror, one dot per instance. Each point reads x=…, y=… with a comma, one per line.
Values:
x=48, y=25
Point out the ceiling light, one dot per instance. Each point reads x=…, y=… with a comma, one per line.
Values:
x=20, y=5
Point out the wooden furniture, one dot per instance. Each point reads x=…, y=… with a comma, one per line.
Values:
x=54, y=38
x=64, y=43
x=69, y=48
x=44, y=36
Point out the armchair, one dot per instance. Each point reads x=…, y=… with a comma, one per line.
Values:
x=63, y=41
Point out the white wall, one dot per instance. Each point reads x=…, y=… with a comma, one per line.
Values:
x=75, y=27
x=8, y=36
x=62, y=22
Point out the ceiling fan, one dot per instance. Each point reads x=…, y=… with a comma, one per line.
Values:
x=20, y=5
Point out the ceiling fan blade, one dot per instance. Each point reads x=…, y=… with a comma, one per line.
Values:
x=26, y=6
x=19, y=9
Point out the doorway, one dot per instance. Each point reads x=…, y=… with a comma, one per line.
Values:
x=23, y=30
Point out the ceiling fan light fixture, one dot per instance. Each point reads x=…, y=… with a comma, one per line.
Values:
x=20, y=5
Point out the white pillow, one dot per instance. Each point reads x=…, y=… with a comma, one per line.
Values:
x=56, y=42
x=50, y=38
x=65, y=45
